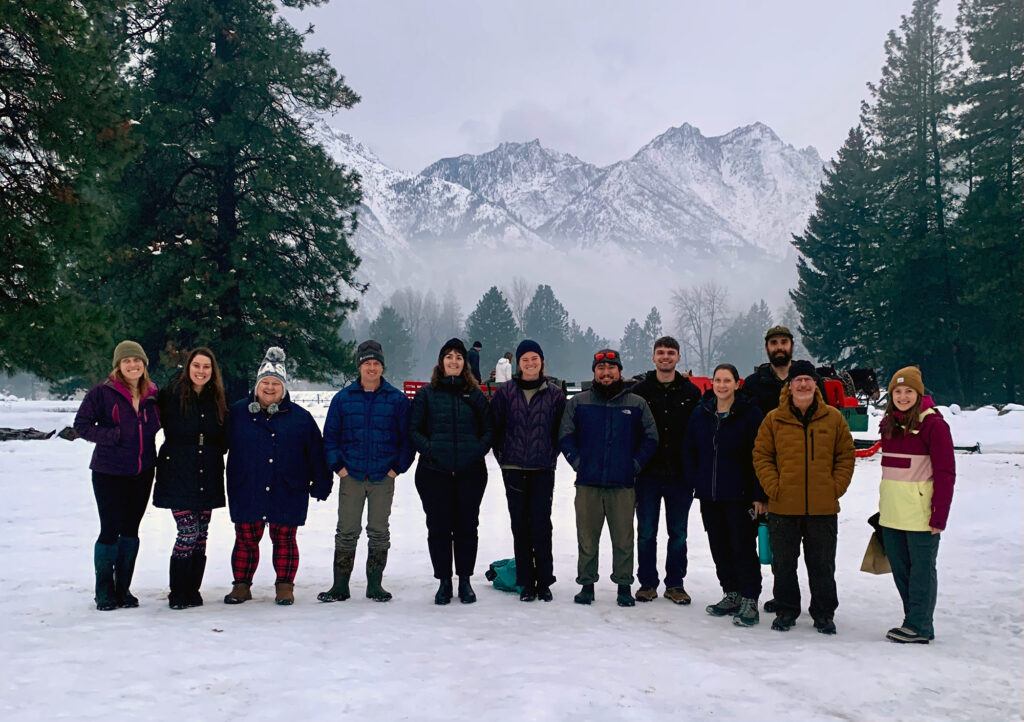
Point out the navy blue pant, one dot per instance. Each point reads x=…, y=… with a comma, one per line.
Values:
x=678, y=496
x=451, y=502
x=819, y=535
x=121, y=502
x=529, y=493
x=732, y=536
x=912, y=557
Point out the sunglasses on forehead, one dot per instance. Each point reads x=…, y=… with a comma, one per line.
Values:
x=601, y=356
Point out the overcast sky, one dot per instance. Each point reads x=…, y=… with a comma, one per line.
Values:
x=599, y=79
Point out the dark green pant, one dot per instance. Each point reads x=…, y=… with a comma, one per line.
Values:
x=352, y=496
x=912, y=557
x=594, y=504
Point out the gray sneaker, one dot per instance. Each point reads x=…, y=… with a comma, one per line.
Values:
x=747, y=616
x=729, y=605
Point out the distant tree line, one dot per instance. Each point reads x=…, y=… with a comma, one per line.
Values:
x=914, y=254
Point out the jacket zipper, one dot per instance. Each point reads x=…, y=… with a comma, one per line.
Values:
x=714, y=461
x=140, y=441
x=807, y=484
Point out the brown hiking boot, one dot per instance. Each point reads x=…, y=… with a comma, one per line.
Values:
x=646, y=594
x=677, y=595
x=240, y=592
x=285, y=593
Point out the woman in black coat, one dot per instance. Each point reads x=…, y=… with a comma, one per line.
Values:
x=190, y=468
x=717, y=460
x=451, y=429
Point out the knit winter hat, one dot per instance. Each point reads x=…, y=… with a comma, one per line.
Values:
x=273, y=365
x=452, y=344
x=908, y=376
x=802, y=368
x=777, y=331
x=129, y=349
x=607, y=356
x=526, y=347
x=369, y=351
x=477, y=345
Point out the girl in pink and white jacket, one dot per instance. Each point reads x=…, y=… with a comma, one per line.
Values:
x=918, y=472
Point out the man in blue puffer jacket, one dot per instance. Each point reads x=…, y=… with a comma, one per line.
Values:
x=607, y=435
x=366, y=443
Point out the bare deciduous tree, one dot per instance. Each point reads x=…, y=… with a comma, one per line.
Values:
x=702, y=316
x=518, y=294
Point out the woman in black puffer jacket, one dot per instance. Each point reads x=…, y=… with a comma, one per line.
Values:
x=451, y=429
x=190, y=468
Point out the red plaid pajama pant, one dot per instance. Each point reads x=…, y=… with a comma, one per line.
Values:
x=245, y=557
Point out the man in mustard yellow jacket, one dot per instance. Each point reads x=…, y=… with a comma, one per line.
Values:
x=804, y=458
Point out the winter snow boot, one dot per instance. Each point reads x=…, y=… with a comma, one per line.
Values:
x=783, y=622
x=180, y=581
x=825, y=625
x=625, y=596
x=586, y=595
x=728, y=606
x=124, y=570
x=528, y=594
x=284, y=594
x=906, y=635
x=444, y=592
x=104, y=557
x=375, y=563
x=240, y=592
x=544, y=594
x=466, y=593
x=198, y=569
x=646, y=594
x=769, y=606
x=344, y=560
x=677, y=595
x=747, y=615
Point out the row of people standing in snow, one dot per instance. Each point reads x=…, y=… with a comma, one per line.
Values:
x=630, y=449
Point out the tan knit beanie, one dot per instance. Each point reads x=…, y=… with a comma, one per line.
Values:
x=908, y=376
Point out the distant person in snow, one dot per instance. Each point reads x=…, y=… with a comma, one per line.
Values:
x=527, y=412
x=918, y=472
x=804, y=457
x=473, y=359
x=190, y=468
x=275, y=463
x=120, y=416
x=366, y=440
x=450, y=427
x=607, y=435
x=503, y=370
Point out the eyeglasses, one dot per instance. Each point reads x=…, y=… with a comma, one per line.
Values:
x=602, y=355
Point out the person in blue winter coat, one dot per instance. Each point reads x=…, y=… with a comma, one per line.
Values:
x=527, y=412
x=120, y=416
x=717, y=457
x=366, y=440
x=275, y=463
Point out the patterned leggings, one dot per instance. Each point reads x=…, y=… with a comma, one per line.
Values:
x=245, y=557
x=193, y=527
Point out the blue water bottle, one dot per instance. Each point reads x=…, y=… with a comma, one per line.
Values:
x=764, y=546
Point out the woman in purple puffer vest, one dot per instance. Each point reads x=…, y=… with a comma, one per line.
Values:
x=120, y=416
x=527, y=412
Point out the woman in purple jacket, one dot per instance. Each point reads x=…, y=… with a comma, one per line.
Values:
x=120, y=417
x=527, y=412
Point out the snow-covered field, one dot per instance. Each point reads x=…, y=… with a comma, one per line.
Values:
x=500, y=658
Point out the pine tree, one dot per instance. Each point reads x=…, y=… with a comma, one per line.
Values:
x=65, y=137
x=582, y=346
x=830, y=293
x=546, y=321
x=743, y=342
x=652, y=325
x=990, y=225
x=392, y=332
x=634, y=348
x=493, y=325
x=236, y=223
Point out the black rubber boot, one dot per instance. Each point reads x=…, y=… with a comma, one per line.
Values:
x=466, y=593
x=344, y=560
x=586, y=595
x=625, y=596
x=376, y=560
x=544, y=594
x=444, y=592
x=195, y=599
x=124, y=570
x=180, y=580
x=104, y=558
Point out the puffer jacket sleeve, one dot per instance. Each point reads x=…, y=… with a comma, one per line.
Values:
x=320, y=477
x=480, y=406
x=753, y=423
x=567, y=434
x=418, y=421
x=559, y=412
x=649, y=444
x=332, y=435
x=406, y=453
x=498, y=413
x=845, y=457
x=940, y=449
x=764, y=458
x=91, y=422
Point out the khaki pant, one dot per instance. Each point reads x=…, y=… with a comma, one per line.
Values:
x=352, y=496
x=594, y=504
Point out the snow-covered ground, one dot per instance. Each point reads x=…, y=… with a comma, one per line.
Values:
x=500, y=658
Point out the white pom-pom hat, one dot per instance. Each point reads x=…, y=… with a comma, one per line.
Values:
x=273, y=365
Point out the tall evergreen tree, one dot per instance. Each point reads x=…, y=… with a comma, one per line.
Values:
x=743, y=342
x=493, y=325
x=65, y=136
x=546, y=321
x=652, y=325
x=236, y=219
x=392, y=332
x=914, y=262
x=634, y=348
x=830, y=293
x=582, y=346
